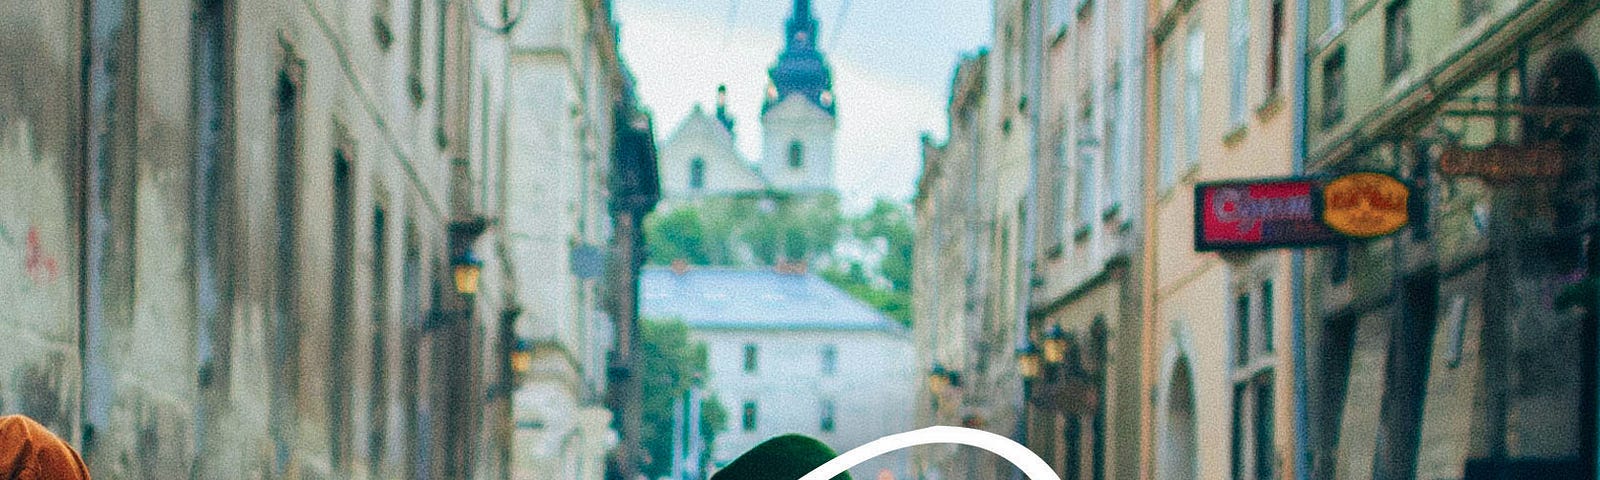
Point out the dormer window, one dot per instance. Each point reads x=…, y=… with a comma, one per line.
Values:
x=697, y=173
x=797, y=152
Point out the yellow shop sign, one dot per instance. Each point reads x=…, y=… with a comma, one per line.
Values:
x=1365, y=204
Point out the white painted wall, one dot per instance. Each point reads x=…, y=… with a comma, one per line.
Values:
x=796, y=118
x=701, y=136
x=872, y=389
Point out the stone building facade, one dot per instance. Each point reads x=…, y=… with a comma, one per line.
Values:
x=235, y=226
x=972, y=206
x=948, y=274
x=1087, y=287
x=1218, y=329
x=559, y=228
x=787, y=352
x=1464, y=345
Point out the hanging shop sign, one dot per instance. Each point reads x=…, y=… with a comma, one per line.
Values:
x=1501, y=162
x=1365, y=204
x=1298, y=212
x=1255, y=214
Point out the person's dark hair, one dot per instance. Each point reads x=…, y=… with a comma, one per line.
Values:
x=787, y=457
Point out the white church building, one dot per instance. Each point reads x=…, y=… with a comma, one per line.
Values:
x=798, y=121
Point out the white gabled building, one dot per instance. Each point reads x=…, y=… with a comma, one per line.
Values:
x=702, y=158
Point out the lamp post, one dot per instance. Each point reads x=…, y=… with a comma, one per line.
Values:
x=1028, y=365
x=1049, y=383
x=456, y=351
x=521, y=359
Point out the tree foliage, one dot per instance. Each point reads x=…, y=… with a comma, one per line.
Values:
x=670, y=363
x=747, y=230
x=891, y=222
x=762, y=229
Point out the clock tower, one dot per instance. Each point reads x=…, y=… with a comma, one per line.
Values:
x=798, y=115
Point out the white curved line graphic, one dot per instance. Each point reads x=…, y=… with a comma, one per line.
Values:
x=1019, y=456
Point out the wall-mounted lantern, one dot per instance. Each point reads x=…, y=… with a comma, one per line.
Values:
x=938, y=379
x=467, y=267
x=1028, y=361
x=1055, y=345
x=521, y=358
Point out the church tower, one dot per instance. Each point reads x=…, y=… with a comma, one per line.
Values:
x=798, y=115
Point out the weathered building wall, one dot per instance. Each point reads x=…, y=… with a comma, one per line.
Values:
x=563, y=89
x=40, y=151
x=1457, y=317
x=1089, y=207
x=246, y=313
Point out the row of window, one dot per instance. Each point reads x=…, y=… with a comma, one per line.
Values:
x=750, y=413
x=1182, y=66
x=1253, y=454
x=1179, y=93
x=346, y=438
x=1397, y=37
x=829, y=356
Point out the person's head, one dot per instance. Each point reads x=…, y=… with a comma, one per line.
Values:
x=788, y=457
x=28, y=451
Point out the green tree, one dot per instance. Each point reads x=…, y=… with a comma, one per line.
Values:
x=892, y=222
x=854, y=281
x=679, y=233
x=670, y=364
x=768, y=226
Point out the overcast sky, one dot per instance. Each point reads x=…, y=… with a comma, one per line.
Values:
x=892, y=62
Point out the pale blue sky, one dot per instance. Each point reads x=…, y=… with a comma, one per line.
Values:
x=892, y=62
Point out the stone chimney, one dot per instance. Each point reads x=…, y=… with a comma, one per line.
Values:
x=722, y=108
x=785, y=267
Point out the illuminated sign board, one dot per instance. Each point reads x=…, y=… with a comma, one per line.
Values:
x=1259, y=214
x=1365, y=205
x=1297, y=212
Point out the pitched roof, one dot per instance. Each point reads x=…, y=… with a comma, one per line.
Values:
x=736, y=299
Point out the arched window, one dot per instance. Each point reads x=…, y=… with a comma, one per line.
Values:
x=797, y=154
x=697, y=173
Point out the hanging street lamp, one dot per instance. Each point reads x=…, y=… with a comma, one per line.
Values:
x=467, y=267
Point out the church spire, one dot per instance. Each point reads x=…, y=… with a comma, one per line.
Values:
x=800, y=68
x=802, y=26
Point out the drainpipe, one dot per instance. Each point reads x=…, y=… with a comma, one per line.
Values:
x=1297, y=262
x=1033, y=48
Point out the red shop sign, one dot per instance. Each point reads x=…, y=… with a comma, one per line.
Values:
x=1257, y=214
